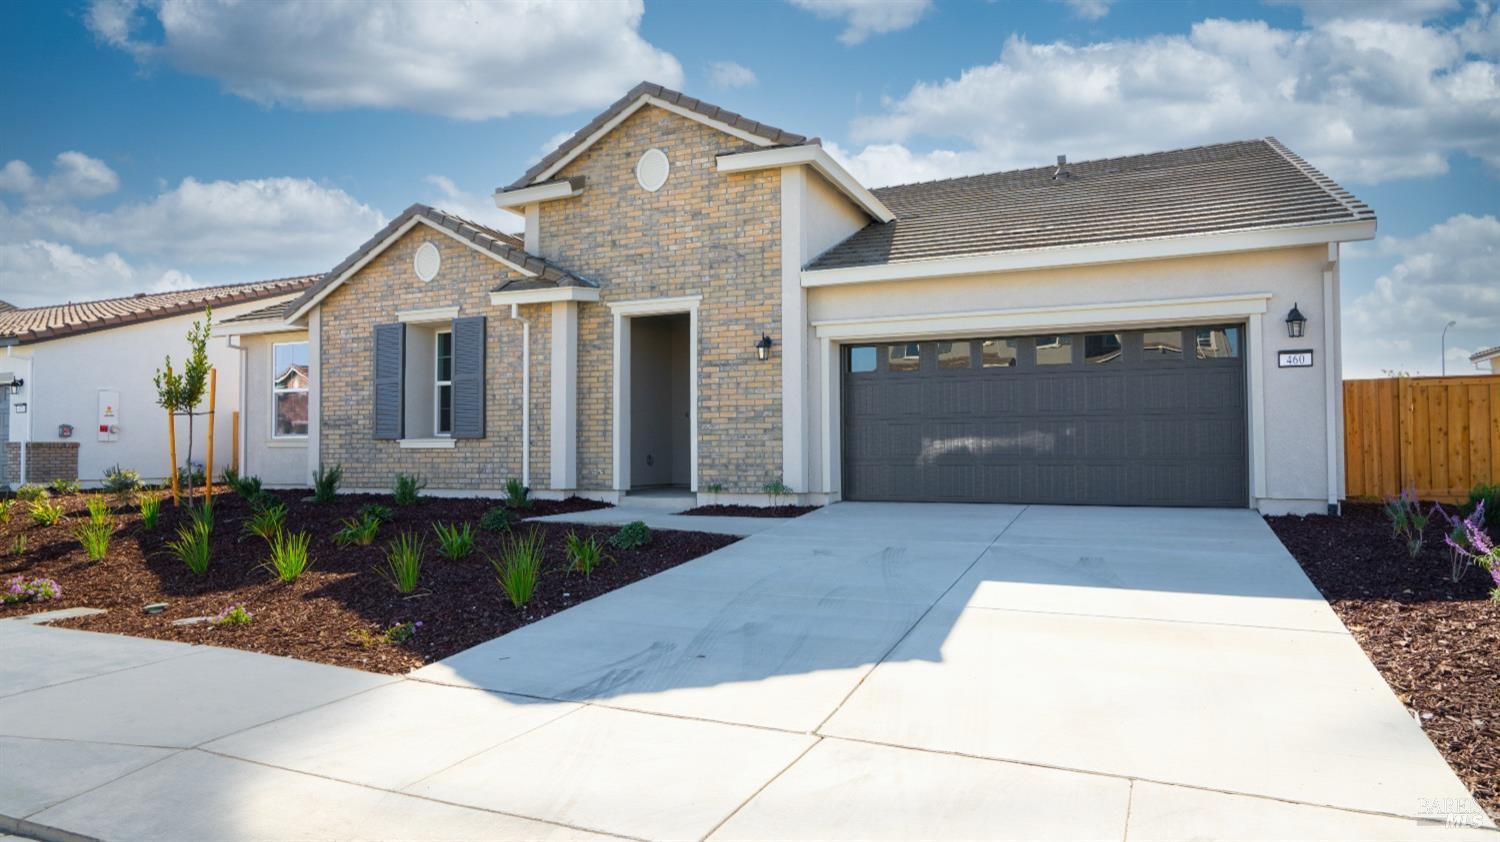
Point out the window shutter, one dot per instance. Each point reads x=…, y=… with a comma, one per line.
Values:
x=468, y=378
x=390, y=363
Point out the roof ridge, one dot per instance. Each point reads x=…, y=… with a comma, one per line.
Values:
x=137, y=296
x=1331, y=187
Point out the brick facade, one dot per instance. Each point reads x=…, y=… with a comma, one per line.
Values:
x=703, y=233
x=374, y=295
x=45, y=461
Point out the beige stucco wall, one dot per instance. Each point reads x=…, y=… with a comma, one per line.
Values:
x=1295, y=398
x=703, y=233
x=278, y=462
x=375, y=295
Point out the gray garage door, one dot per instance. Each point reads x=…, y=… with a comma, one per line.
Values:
x=1137, y=417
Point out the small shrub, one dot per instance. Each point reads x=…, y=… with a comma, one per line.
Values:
x=192, y=544
x=263, y=500
x=714, y=488
x=1479, y=548
x=94, y=536
x=99, y=511
x=150, y=503
x=408, y=489
x=631, y=536
x=454, y=541
x=190, y=475
x=498, y=519
x=517, y=496
x=267, y=522
x=20, y=589
x=118, y=480
x=249, y=488
x=64, y=487
x=776, y=490
x=289, y=555
x=1408, y=521
x=360, y=530
x=31, y=493
x=584, y=554
x=519, y=566
x=1487, y=495
x=18, y=546
x=203, y=514
x=5, y=510
x=45, y=512
x=326, y=483
x=233, y=616
x=397, y=634
x=403, y=562
x=376, y=511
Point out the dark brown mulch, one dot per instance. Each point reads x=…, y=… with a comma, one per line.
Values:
x=319, y=616
x=1437, y=643
x=751, y=511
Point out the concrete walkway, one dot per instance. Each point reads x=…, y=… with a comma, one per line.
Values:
x=657, y=518
x=862, y=672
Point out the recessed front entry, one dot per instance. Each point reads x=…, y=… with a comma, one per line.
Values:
x=1116, y=417
x=660, y=401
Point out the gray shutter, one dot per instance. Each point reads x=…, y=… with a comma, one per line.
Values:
x=390, y=363
x=468, y=378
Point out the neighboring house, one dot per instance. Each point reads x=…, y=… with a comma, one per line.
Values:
x=1487, y=358
x=84, y=398
x=706, y=303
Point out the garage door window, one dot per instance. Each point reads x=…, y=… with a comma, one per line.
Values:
x=1054, y=350
x=1158, y=345
x=862, y=359
x=1101, y=348
x=1218, y=343
x=905, y=358
x=953, y=354
x=999, y=353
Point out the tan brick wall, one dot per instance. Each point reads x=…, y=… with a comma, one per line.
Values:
x=373, y=296
x=706, y=233
x=45, y=461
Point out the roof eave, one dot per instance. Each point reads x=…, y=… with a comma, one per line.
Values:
x=817, y=158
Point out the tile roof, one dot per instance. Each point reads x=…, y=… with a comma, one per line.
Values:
x=34, y=324
x=1244, y=185
x=6, y=305
x=500, y=245
x=1485, y=353
x=776, y=136
x=270, y=312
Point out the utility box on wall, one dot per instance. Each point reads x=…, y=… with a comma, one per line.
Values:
x=109, y=415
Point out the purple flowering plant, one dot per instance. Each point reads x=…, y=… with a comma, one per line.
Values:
x=1409, y=521
x=1477, y=547
x=19, y=589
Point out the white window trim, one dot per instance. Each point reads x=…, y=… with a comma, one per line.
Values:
x=429, y=314
x=438, y=384
x=427, y=444
x=623, y=312
x=275, y=391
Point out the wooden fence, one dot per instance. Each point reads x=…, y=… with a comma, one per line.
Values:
x=1438, y=435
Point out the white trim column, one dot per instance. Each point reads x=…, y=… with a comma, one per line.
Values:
x=563, y=474
x=1256, y=373
x=314, y=391
x=794, y=414
x=1331, y=383
x=831, y=354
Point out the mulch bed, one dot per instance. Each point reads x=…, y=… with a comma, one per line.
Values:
x=323, y=614
x=1436, y=642
x=751, y=511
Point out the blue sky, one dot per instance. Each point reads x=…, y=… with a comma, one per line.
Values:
x=165, y=143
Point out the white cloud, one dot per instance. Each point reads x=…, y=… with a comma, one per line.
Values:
x=467, y=60
x=728, y=74
x=1367, y=100
x=1451, y=272
x=1089, y=9
x=474, y=207
x=37, y=272
x=1411, y=11
x=74, y=176
x=863, y=18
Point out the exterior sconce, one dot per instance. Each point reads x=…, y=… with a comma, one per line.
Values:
x=763, y=348
x=1296, y=323
x=15, y=385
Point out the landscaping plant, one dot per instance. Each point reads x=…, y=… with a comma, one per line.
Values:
x=204, y=514
x=31, y=493
x=397, y=634
x=20, y=589
x=408, y=489
x=99, y=511
x=403, y=562
x=289, y=555
x=233, y=616
x=633, y=535
x=18, y=546
x=584, y=554
x=267, y=522
x=5, y=507
x=118, y=480
x=181, y=392
x=45, y=512
x=64, y=487
x=247, y=487
x=1478, y=548
x=1487, y=495
x=376, y=511
x=776, y=490
x=517, y=496
x=95, y=534
x=326, y=483
x=150, y=503
x=455, y=541
x=1408, y=520
x=192, y=544
x=360, y=530
x=498, y=519
x=519, y=566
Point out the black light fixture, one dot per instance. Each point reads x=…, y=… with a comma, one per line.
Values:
x=15, y=385
x=1296, y=323
x=763, y=348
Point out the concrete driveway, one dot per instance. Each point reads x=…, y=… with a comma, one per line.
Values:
x=868, y=671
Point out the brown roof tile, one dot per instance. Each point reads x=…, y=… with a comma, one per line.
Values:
x=1244, y=185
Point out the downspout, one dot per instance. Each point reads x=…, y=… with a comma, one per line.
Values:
x=1331, y=383
x=515, y=313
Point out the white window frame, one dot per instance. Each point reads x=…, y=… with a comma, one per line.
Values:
x=438, y=384
x=275, y=391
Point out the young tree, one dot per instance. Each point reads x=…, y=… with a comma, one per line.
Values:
x=182, y=392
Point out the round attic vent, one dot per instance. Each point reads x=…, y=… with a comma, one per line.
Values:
x=652, y=170
x=426, y=261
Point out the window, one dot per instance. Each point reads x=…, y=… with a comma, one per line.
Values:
x=289, y=376
x=1101, y=348
x=1054, y=350
x=998, y=353
x=906, y=357
x=443, y=384
x=862, y=359
x=1161, y=345
x=953, y=354
x=1218, y=343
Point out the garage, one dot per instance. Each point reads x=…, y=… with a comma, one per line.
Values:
x=1149, y=417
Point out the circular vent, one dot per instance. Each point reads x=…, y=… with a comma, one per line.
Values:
x=652, y=170
x=427, y=261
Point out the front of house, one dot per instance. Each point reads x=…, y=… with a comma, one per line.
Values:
x=706, y=303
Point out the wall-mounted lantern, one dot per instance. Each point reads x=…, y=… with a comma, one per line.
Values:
x=763, y=348
x=1296, y=323
x=14, y=384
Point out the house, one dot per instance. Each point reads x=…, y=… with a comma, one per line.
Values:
x=79, y=398
x=708, y=304
x=1487, y=357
